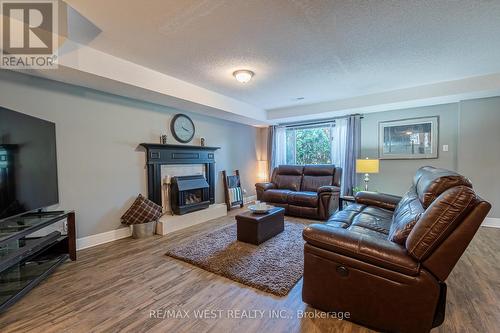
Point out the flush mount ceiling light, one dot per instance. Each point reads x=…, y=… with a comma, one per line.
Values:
x=243, y=75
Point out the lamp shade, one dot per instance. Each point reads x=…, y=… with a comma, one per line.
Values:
x=367, y=166
x=262, y=170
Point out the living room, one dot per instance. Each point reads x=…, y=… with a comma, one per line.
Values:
x=294, y=166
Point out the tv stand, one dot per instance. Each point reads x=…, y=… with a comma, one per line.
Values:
x=42, y=213
x=26, y=260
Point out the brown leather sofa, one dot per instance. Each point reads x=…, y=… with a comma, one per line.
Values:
x=384, y=259
x=310, y=191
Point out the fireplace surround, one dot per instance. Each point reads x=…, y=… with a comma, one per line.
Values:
x=160, y=154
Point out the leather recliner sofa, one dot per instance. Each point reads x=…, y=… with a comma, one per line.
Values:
x=310, y=191
x=384, y=259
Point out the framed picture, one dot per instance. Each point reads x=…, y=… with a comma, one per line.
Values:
x=415, y=138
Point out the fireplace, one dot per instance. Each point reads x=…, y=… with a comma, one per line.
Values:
x=158, y=155
x=163, y=163
x=189, y=194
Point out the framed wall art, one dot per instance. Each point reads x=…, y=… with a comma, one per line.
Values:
x=415, y=138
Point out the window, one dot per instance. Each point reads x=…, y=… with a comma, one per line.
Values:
x=309, y=144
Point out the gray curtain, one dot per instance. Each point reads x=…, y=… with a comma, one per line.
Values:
x=353, y=150
x=271, y=151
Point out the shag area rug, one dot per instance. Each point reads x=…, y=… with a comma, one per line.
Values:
x=274, y=266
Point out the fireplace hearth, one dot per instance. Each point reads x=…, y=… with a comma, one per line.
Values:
x=189, y=194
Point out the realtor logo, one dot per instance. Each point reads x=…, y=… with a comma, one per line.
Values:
x=29, y=36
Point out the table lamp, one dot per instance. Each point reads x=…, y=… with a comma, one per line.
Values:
x=367, y=166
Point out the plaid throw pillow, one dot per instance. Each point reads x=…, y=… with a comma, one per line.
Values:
x=142, y=210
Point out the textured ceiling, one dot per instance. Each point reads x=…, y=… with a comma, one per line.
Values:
x=319, y=50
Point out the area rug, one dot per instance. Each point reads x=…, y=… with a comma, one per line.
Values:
x=274, y=266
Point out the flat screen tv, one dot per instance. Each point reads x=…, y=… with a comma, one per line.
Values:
x=28, y=164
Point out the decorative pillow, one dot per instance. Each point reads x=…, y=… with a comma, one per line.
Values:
x=406, y=215
x=142, y=210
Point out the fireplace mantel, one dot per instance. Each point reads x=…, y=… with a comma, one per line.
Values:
x=183, y=147
x=160, y=154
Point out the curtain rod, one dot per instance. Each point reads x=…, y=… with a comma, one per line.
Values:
x=319, y=121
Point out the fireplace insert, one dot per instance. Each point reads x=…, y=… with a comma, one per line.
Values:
x=189, y=194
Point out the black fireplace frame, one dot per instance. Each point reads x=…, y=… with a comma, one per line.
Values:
x=160, y=154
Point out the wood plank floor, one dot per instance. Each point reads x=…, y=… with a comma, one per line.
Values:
x=115, y=286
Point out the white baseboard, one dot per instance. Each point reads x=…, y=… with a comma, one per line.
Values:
x=202, y=216
x=250, y=198
x=105, y=237
x=492, y=222
x=109, y=236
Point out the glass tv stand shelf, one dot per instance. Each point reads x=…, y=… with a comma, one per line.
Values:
x=29, y=254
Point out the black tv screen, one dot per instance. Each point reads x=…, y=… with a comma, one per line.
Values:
x=28, y=163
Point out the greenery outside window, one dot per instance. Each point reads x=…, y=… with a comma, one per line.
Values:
x=311, y=144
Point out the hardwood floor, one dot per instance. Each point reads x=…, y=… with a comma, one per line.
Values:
x=115, y=286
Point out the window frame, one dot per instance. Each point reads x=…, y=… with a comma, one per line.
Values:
x=294, y=128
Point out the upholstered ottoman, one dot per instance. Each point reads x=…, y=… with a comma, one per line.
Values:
x=257, y=228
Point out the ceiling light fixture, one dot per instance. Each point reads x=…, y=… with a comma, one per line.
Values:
x=243, y=75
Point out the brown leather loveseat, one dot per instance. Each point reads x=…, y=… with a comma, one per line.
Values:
x=310, y=191
x=384, y=259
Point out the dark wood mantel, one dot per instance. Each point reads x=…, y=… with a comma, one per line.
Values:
x=183, y=147
x=160, y=154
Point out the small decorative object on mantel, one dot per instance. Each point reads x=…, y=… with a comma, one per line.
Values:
x=142, y=215
x=202, y=142
x=232, y=189
x=163, y=139
x=415, y=138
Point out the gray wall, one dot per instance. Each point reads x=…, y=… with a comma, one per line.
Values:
x=396, y=175
x=479, y=147
x=470, y=128
x=100, y=168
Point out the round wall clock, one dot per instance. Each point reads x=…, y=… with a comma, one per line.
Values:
x=182, y=128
